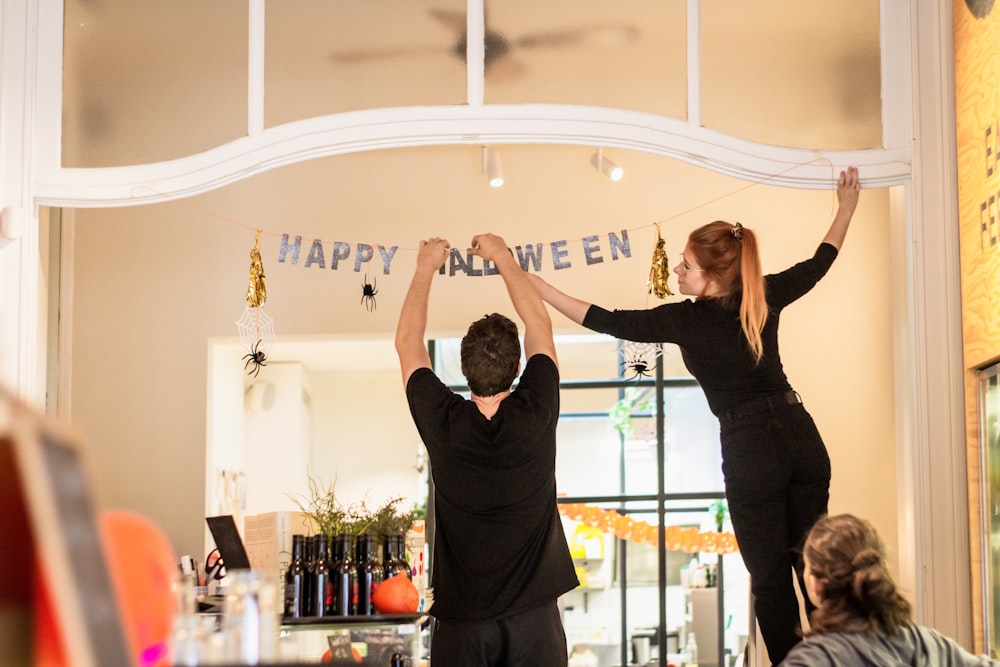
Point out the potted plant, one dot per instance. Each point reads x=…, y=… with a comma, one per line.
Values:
x=634, y=399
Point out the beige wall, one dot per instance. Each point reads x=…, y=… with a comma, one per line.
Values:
x=153, y=284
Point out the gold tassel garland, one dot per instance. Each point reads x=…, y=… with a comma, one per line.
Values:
x=257, y=290
x=659, y=272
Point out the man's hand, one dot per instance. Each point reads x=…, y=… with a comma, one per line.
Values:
x=433, y=253
x=489, y=246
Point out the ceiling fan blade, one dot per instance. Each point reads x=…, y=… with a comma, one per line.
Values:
x=455, y=21
x=504, y=70
x=610, y=34
x=369, y=55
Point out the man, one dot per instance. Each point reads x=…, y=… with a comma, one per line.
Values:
x=500, y=554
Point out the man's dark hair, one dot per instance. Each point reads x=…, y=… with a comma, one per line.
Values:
x=491, y=352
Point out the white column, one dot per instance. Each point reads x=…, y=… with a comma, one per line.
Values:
x=933, y=506
x=21, y=366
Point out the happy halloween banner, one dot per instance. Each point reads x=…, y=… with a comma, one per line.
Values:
x=531, y=257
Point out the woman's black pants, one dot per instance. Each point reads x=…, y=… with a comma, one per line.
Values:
x=777, y=475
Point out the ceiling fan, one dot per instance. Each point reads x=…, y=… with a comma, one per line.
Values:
x=499, y=48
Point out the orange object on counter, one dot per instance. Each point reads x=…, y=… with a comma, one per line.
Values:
x=143, y=569
x=396, y=595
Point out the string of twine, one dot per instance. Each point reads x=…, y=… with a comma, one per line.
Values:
x=258, y=230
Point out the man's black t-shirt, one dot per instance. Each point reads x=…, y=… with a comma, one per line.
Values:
x=499, y=546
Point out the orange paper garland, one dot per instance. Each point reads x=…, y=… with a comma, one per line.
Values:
x=689, y=540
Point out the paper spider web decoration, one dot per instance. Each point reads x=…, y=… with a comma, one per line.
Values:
x=256, y=329
x=640, y=358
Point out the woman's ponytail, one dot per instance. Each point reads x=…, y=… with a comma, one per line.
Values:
x=753, y=306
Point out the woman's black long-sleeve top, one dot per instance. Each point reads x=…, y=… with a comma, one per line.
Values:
x=711, y=338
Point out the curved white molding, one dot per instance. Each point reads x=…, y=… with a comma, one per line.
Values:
x=400, y=127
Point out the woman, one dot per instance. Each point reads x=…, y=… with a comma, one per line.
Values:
x=861, y=618
x=776, y=467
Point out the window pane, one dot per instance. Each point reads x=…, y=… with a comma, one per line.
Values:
x=581, y=357
x=691, y=438
x=587, y=357
x=325, y=57
x=151, y=81
x=793, y=73
x=617, y=605
x=608, y=442
x=448, y=361
x=595, y=52
x=596, y=619
x=589, y=454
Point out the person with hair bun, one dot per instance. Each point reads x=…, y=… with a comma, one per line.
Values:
x=861, y=619
x=775, y=464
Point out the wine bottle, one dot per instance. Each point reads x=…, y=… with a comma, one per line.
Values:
x=345, y=577
x=322, y=586
x=393, y=561
x=295, y=578
x=307, y=584
x=692, y=650
x=370, y=574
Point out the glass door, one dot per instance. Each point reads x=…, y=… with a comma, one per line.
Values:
x=989, y=429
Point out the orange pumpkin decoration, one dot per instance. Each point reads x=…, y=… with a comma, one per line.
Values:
x=591, y=516
x=623, y=527
x=690, y=540
x=673, y=538
x=355, y=654
x=396, y=595
x=728, y=543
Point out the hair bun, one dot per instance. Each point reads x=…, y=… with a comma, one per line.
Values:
x=866, y=558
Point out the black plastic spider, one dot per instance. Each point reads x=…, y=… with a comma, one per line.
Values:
x=256, y=357
x=368, y=293
x=639, y=368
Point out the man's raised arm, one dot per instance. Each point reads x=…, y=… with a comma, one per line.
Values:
x=410, y=344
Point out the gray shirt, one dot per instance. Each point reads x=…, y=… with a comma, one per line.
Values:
x=912, y=646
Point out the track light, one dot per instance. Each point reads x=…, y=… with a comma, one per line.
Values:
x=606, y=166
x=492, y=168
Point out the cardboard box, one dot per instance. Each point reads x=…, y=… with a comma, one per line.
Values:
x=268, y=539
x=416, y=556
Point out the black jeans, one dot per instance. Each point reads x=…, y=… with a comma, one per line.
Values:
x=777, y=474
x=527, y=639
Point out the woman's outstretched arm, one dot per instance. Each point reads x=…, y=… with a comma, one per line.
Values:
x=848, y=189
x=573, y=308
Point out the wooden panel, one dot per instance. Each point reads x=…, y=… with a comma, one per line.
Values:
x=977, y=82
x=977, y=85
